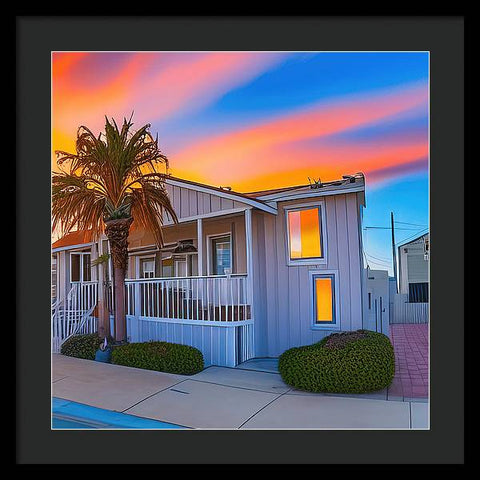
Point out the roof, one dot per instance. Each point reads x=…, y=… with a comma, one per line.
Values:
x=354, y=182
x=414, y=240
x=260, y=199
x=79, y=237
x=224, y=192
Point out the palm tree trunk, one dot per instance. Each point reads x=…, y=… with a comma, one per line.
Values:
x=117, y=233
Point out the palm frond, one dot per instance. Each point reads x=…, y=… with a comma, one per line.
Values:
x=112, y=175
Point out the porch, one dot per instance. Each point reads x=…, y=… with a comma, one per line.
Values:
x=211, y=313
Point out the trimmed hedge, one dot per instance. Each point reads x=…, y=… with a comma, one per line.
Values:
x=81, y=346
x=351, y=362
x=161, y=356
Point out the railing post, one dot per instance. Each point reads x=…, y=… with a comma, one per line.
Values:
x=249, y=251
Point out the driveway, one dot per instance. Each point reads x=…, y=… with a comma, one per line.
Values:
x=226, y=398
x=410, y=342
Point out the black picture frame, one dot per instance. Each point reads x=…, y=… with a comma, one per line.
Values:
x=36, y=37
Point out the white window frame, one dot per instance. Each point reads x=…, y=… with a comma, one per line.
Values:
x=210, y=252
x=138, y=264
x=291, y=262
x=336, y=304
x=82, y=254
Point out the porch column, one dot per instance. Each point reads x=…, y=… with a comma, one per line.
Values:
x=248, y=247
x=200, y=246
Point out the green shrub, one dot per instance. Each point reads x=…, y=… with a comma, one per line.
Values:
x=81, y=346
x=351, y=362
x=160, y=356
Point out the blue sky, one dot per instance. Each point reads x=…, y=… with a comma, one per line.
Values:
x=259, y=120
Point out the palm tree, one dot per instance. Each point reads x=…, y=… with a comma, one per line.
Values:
x=111, y=181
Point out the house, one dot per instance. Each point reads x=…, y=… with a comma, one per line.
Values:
x=413, y=259
x=241, y=275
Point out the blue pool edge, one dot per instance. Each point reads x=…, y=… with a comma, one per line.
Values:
x=88, y=417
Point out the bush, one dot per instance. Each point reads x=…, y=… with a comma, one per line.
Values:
x=351, y=362
x=81, y=346
x=160, y=356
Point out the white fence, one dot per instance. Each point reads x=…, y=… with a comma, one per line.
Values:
x=401, y=311
x=74, y=314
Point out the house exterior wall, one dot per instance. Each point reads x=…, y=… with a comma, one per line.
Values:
x=188, y=202
x=233, y=224
x=283, y=292
x=413, y=268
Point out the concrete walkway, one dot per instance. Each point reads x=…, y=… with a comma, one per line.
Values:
x=225, y=398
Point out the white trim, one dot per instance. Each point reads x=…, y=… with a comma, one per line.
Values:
x=230, y=196
x=324, y=326
x=201, y=323
x=138, y=259
x=209, y=250
x=323, y=235
x=273, y=198
x=218, y=213
x=81, y=267
x=249, y=254
x=200, y=246
x=71, y=247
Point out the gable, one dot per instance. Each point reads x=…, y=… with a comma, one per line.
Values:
x=190, y=202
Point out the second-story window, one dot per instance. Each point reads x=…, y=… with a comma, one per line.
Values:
x=304, y=227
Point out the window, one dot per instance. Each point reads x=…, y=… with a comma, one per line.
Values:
x=147, y=267
x=167, y=267
x=80, y=267
x=221, y=257
x=324, y=300
x=304, y=226
x=418, y=292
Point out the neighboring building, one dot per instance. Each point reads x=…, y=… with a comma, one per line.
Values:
x=413, y=261
x=377, y=301
x=240, y=275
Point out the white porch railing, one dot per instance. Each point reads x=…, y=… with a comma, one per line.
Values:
x=186, y=310
x=74, y=314
x=218, y=298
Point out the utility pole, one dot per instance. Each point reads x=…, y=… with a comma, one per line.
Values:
x=394, y=253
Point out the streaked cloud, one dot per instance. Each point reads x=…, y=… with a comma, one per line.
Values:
x=277, y=152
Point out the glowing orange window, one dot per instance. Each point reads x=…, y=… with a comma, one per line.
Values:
x=324, y=299
x=304, y=233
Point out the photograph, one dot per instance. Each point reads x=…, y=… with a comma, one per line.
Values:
x=240, y=240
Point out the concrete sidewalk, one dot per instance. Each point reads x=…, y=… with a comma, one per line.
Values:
x=225, y=398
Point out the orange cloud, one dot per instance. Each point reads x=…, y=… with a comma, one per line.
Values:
x=154, y=91
x=271, y=154
x=247, y=148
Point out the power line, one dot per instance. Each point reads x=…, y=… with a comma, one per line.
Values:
x=415, y=224
x=378, y=258
x=419, y=233
x=387, y=228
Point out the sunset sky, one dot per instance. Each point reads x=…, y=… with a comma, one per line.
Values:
x=257, y=120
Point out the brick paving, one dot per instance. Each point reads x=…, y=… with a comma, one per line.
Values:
x=410, y=342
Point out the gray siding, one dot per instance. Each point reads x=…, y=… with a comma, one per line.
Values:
x=283, y=317
x=191, y=203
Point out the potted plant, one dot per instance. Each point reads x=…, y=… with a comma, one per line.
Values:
x=104, y=352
